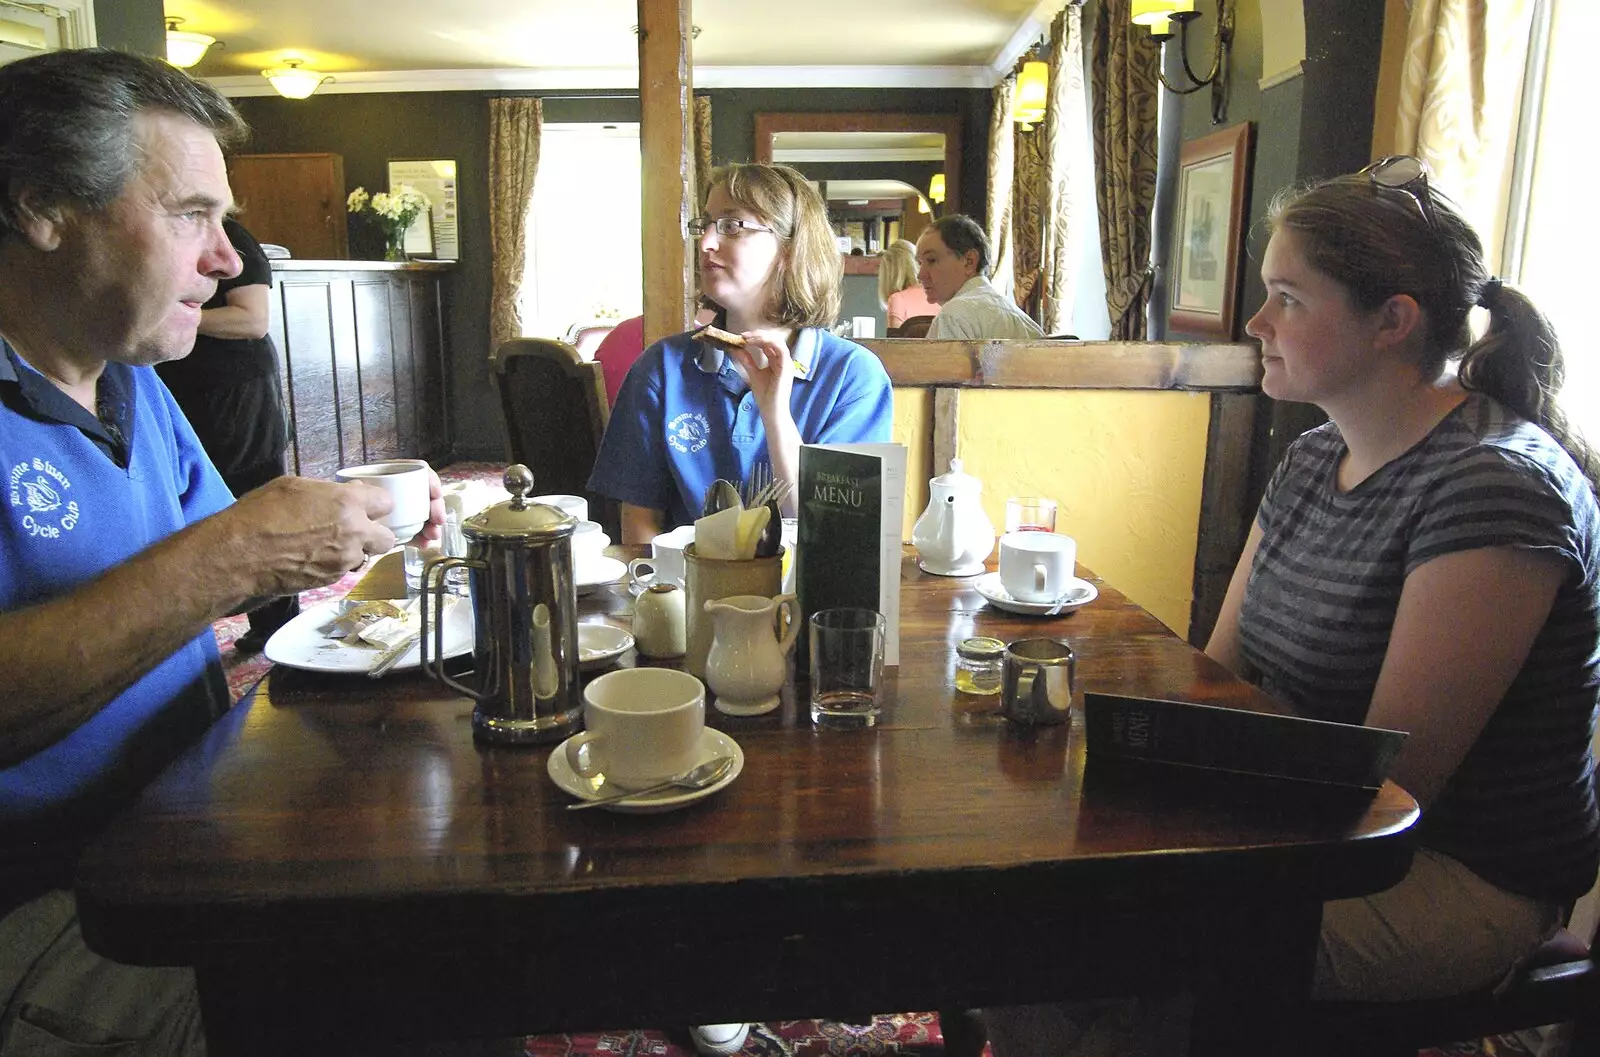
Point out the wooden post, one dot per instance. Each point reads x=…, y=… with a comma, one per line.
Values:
x=667, y=164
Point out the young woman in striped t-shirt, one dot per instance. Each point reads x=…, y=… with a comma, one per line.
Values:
x=1427, y=561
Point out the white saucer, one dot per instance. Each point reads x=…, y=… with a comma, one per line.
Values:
x=299, y=643
x=1079, y=592
x=713, y=743
x=600, y=644
x=593, y=572
x=961, y=570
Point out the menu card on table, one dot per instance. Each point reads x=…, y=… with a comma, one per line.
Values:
x=851, y=507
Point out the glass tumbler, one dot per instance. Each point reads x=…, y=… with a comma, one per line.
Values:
x=846, y=668
x=1030, y=514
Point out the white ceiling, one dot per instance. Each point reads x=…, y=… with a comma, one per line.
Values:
x=389, y=45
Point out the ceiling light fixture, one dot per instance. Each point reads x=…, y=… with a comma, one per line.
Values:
x=1033, y=91
x=185, y=49
x=936, y=188
x=1159, y=15
x=293, y=81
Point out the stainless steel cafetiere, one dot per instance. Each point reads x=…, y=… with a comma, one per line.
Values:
x=524, y=619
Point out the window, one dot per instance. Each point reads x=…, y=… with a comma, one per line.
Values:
x=1555, y=259
x=583, y=230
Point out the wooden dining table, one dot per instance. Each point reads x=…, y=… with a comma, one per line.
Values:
x=345, y=867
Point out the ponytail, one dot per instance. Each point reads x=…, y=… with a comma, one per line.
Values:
x=1518, y=362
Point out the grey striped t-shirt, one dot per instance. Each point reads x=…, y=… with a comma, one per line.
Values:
x=1520, y=810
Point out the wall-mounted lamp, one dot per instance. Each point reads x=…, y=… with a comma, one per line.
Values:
x=936, y=187
x=185, y=49
x=923, y=206
x=293, y=80
x=1033, y=91
x=1159, y=15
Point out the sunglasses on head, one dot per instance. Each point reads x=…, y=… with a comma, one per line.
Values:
x=1408, y=175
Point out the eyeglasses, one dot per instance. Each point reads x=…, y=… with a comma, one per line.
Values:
x=727, y=227
x=1408, y=175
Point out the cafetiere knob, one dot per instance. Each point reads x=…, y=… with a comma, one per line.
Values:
x=518, y=480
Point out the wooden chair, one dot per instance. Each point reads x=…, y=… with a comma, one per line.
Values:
x=1559, y=984
x=555, y=413
x=915, y=327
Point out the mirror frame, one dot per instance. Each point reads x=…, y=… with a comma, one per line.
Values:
x=768, y=123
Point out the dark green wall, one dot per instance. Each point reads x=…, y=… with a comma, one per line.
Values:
x=132, y=25
x=369, y=129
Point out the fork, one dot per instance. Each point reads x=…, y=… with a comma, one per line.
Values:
x=759, y=483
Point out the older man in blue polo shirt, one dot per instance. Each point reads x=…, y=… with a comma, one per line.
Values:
x=119, y=542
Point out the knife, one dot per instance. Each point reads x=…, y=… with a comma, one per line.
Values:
x=391, y=656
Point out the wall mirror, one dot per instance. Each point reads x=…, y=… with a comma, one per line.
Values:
x=871, y=165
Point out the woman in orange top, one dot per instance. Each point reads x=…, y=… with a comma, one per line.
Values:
x=898, y=288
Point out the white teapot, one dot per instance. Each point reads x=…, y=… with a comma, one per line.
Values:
x=953, y=536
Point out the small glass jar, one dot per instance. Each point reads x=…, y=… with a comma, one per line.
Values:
x=978, y=663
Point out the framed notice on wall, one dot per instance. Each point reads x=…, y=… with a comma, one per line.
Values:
x=434, y=233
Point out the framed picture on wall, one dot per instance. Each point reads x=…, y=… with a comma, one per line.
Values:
x=1213, y=183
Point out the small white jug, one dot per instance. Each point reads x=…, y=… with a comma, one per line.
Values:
x=749, y=659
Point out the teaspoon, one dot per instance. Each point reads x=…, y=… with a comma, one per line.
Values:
x=709, y=773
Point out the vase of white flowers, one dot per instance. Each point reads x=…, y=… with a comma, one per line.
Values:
x=393, y=212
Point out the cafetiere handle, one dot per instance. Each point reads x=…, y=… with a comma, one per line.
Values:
x=433, y=590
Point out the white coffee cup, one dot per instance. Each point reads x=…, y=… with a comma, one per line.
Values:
x=1035, y=566
x=575, y=505
x=588, y=540
x=665, y=563
x=406, y=481
x=643, y=725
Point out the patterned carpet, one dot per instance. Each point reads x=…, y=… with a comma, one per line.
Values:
x=906, y=1033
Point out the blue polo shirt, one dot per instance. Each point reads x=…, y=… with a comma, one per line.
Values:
x=80, y=496
x=685, y=417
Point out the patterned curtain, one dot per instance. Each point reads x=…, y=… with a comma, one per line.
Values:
x=1002, y=166
x=1125, y=86
x=1459, y=103
x=702, y=149
x=1068, y=176
x=1027, y=215
x=514, y=125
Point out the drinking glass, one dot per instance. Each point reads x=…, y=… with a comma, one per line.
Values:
x=846, y=668
x=451, y=543
x=1030, y=514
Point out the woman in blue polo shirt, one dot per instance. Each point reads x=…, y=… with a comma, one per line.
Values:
x=689, y=413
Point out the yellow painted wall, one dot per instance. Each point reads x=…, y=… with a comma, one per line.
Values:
x=913, y=427
x=1125, y=468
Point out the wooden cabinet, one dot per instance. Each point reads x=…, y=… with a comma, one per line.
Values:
x=294, y=200
x=362, y=361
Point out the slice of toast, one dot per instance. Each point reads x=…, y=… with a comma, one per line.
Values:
x=720, y=339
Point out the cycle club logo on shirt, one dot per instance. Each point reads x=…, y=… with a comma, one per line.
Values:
x=689, y=432
x=38, y=495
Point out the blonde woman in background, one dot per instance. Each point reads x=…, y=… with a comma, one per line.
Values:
x=898, y=290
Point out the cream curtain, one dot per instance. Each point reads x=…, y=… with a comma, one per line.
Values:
x=514, y=125
x=702, y=149
x=1002, y=169
x=1069, y=172
x=1460, y=92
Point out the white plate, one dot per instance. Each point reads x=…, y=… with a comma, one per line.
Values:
x=600, y=644
x=299, y=643
x=593, y=572
x=713, y=743
x=1079, y=592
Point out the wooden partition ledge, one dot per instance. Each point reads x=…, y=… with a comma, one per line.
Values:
x=920, y=363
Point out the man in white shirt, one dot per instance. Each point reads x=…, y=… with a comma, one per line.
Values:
x=952, y=266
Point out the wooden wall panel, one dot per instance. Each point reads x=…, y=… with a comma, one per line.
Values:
x=375, y=326
x=362, y=357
